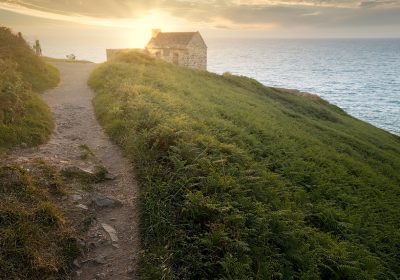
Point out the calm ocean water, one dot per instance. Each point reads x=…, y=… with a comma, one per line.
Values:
x=362, y=76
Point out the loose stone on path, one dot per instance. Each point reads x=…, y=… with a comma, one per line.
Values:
x=111, y=232
x=106, y=202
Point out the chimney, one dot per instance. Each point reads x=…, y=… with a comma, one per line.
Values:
x=155, y=32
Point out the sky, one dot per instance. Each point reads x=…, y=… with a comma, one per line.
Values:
x=128, y=23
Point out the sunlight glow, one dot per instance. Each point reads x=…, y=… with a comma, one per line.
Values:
x=152, y=17
x=139, y=27
x=332, y=4
x=220, y=22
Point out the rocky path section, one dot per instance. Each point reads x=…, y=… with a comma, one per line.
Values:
x=105, y=189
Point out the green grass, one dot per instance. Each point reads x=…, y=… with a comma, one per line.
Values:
x=24, y=117
x=242, y=181
x=36, y=242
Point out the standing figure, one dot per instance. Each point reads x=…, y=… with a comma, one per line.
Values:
x=37, y=48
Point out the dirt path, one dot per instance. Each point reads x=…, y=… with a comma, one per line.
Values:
x=76, y=127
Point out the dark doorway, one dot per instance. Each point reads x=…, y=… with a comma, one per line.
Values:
x=175, y=59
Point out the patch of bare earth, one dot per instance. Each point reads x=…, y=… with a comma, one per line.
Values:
x=101, y=182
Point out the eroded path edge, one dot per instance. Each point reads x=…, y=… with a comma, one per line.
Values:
x=79, y=144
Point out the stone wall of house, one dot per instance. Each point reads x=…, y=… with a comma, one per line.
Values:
x=196, y=54
x=176, y=56
x=193, y=57
x=196, y=58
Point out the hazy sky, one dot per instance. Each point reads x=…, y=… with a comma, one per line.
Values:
x=128, y=22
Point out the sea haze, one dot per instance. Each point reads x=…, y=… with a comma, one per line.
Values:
x=362, y=76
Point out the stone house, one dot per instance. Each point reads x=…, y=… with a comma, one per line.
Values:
x=183, y=48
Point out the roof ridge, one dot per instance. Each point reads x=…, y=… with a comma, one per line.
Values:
x=173, y=39
x=179, y=32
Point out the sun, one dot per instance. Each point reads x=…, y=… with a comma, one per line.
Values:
x=141, y=27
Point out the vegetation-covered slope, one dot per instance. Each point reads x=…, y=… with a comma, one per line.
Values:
x=36, y=241
x=242, y=181
x=24, y=118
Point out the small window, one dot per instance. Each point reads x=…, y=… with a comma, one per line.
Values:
x=158, y=54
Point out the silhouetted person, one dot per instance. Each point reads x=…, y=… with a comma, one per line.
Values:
x=37, y=48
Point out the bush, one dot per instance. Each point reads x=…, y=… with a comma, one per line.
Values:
x=24, y=117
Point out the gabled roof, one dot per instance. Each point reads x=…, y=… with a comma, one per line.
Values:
x=177, y=40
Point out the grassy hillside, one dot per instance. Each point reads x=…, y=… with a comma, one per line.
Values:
x=242, y=181
x=24, y=118
x=36, y=241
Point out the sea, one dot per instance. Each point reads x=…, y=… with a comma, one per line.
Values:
x=362, y=76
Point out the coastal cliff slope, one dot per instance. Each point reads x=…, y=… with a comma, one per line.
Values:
x=243, y=181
